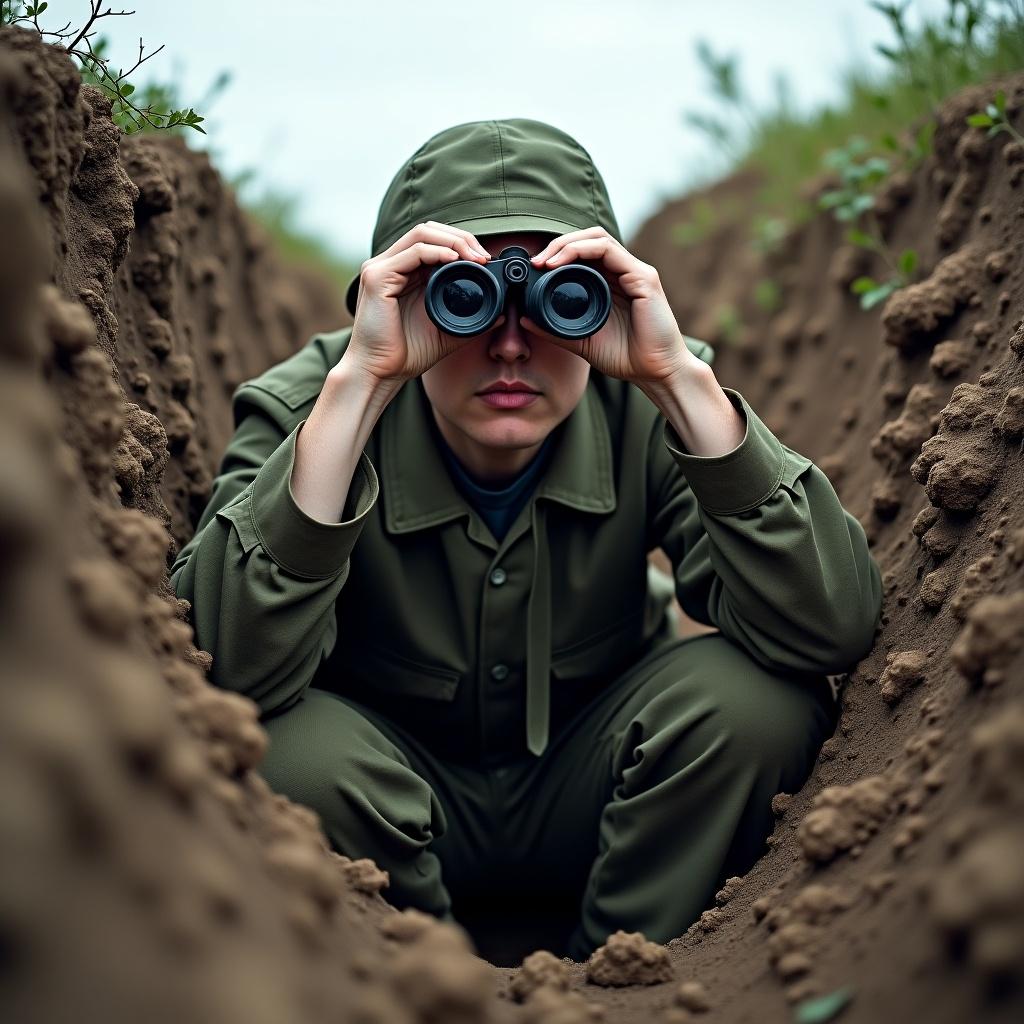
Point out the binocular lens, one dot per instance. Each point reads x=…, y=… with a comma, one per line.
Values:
x=570, y=300
x=463, y=297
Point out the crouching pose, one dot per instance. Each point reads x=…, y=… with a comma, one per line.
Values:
x=426, y=558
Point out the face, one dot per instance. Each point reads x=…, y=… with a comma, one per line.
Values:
x=494, y=438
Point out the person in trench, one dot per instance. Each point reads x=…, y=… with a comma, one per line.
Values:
x=425, y=557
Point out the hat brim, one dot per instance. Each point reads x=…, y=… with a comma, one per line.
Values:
x=487, y=226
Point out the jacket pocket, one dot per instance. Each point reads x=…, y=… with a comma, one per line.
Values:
x=386, y=671
x=601, y=652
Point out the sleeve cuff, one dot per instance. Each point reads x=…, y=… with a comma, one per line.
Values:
x=738, y=480
x=294, y=540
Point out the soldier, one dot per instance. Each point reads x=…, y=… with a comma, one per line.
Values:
x=425, y=558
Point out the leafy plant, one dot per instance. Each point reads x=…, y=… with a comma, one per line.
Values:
x=155, y=107
x=994, y=118
x=854, y=203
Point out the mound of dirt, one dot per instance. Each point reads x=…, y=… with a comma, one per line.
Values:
x=149, y=873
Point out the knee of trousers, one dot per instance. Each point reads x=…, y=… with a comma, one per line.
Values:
x=714, y=697
x=324, y=754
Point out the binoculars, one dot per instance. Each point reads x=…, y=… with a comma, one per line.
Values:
x=465, y=298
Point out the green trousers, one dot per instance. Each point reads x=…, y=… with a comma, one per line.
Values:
x=638, y=810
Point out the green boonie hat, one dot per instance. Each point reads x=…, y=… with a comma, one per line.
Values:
x=490, y=177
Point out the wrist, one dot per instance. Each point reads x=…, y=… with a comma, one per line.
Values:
x=351, y=381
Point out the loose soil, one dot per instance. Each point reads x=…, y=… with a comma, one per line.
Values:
x=149, y=873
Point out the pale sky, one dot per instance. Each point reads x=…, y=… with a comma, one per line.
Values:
x=329, y=104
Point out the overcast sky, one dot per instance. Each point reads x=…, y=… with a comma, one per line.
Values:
x=328, y=99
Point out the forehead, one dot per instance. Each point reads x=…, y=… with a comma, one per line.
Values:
x=531, y=241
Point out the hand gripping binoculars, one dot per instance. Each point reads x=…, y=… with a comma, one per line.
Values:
x=465, y=298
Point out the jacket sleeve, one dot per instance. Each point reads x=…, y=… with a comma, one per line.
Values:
x=762, y=549
x=261, y=575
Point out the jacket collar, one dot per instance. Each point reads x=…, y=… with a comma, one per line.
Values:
x=419, y=493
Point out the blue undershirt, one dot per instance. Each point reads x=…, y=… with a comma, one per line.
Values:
x=498, y=507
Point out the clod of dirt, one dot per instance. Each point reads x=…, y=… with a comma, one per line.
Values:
x=1010, y=418
x=997, y=757
x=902, y=671
x=978, y=900
x=729, y=890
x=550, y=1006
x=924, y=520
x=439, y=982
x=843, y=817
x=967, y=404
x=973, y=152
x=935, y=589
x=990, y=639
x=539, y=969
x=407, y=925
x=886, y=500
x=904, y=435
x=914, y=313
x=979, y=578
x=692, y=996
x=954, y=478
x=628, y=958
x=950, y=359
x=999, y=263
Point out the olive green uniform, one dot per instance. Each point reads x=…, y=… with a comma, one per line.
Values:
x=390, y=651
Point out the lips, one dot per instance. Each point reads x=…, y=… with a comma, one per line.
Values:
x=502, y=387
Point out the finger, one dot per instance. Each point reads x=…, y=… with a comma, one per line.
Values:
x=614, y=256
x=408, y=260
x=435, y=235
x=556, y=243
x=468, y=235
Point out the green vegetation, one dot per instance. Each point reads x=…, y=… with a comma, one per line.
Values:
x=153, y=108
x=994, y=118
x=157, y=106
x=884, y=122
x=854, y=202
x=277, y=212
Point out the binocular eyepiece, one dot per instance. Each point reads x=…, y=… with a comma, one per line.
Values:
x=465, y=298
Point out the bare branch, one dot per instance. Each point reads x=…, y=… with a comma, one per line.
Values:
x=141, y=60
x=94, y=16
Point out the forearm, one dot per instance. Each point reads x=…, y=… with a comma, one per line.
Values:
x=698, y=409
x=329, y=444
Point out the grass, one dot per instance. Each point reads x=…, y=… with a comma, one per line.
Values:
x=972, y=43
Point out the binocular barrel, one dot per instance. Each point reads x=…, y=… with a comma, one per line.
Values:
x=465, y=298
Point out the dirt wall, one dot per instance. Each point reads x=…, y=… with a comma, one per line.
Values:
x=147, y=872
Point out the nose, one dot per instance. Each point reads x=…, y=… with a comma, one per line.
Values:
x=509, y=341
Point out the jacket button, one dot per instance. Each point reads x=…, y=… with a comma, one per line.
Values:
x=498, y=576
x=499, y=671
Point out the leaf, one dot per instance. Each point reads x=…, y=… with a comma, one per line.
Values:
x=1000, y=98
x=863, y=285
x=822, y=1009
x=127, y=89
x=979, y=120
x=889, y=141
x=877, y=295
x=42, y=7
x=908, y=262
x=861, y=204
x=861, y=238
x=830, y=199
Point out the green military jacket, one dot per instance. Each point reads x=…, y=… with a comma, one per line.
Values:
x=411, y=607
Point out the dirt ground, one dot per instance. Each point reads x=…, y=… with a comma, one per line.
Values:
x=149, y=873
